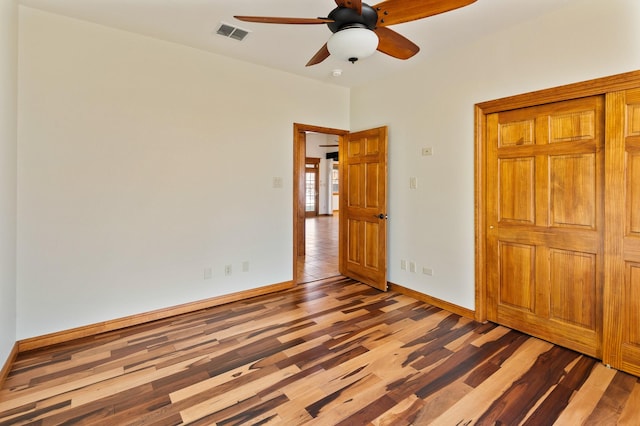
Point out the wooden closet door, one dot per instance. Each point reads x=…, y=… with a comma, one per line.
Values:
x=622, y=243
x=545, y=221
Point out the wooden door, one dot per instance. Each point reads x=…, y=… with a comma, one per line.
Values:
x=622, y=242
x=363, y=207
x=545, y=221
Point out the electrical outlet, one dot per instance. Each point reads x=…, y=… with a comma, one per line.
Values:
x=403, y=265
x=412, y=267
x=208, y=273
x=245, y=266
x=427, y=271
x=227, y=270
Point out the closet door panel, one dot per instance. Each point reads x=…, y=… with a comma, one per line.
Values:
x=545, y=221
x=630, y=216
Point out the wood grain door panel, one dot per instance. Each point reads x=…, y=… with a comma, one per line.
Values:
x=363, y=207
x=545, y=219
x=622, y=323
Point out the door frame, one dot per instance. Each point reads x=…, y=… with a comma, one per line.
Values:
x=299, y=166
x=599, y=86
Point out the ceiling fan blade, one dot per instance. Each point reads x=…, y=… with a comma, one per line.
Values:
x=351, y=4
x=394, y=44
x=279, y=20
x=320, y=56
x=392, y=12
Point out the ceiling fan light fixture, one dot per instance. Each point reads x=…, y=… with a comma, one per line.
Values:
x=353, y=43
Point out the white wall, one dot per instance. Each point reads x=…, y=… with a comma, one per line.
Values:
x=433, y=107
x=141, y=163
x=8, y=138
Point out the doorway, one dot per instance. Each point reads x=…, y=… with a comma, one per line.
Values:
x=316, y=226
x=362, y=228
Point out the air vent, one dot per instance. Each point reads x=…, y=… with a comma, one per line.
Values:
x=231, y=31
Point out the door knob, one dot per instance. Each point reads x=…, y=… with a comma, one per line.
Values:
x=380, y=216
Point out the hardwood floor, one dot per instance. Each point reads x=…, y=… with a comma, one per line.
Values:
x=321, y=260
x=331, y=352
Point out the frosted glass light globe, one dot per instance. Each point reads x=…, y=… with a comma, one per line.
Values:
x=351, y=44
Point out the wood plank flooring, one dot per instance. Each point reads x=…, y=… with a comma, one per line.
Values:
x=331, y=352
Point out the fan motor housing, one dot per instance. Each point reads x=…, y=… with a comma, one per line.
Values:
x=344, y=17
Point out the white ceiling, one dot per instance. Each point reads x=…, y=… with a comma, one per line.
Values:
x=289, y=47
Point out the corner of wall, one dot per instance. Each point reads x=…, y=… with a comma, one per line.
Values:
x=8, y=179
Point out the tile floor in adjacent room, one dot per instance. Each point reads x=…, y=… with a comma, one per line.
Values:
x=321, y=259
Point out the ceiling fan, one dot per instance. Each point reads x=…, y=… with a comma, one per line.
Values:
x=359, y=29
